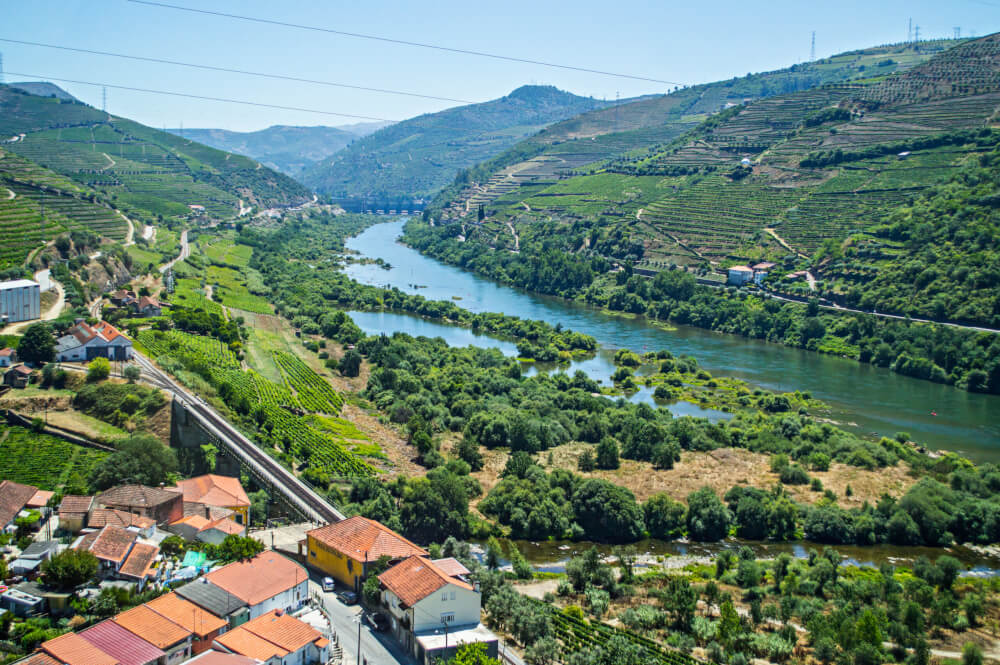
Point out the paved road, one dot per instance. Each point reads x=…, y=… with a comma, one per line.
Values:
x=272, y=473
x=376, y=648
x=185, y=252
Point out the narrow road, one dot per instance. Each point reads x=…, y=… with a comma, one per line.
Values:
x=269, y=471
x=112, y=164
x=517, y=241
x=185, y=252
x=376, y=648
x=11, y=195
x=781, y=241
x=130, y=235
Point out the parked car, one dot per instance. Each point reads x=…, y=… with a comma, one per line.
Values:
x=328, y=584
x=377, y=621
x=348, y=597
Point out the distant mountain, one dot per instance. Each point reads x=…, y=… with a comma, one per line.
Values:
x=281, y=147
x=419, y=156
x=43, y=89
x=364, y=128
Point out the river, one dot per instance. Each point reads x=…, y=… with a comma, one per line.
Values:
x=868, y=399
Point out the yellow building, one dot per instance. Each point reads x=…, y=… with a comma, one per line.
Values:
x=218, y=492
x=344, y=550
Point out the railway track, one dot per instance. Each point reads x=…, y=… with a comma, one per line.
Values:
x=300, y=495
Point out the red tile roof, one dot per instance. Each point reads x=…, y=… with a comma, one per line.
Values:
x=186, y=614
x=214, y=490
x=72, y=649
x=21, y=369
x=213, y=657
x=127, y=647
x=111, y=544
x=75, y=504
x=226, y=526
x=140, y=561
x=246, y=643
x=451, y=566
x=284, y=630
x=13, y=498
x=152, y=627
x=136, y=495
x=101, y=517
x=39, y=658
x=416, y=578
x=6, y=352
x=262, y=577
x=363, y=539
x=40, y=500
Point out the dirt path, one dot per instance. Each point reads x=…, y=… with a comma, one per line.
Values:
x=185, y=252
x=149, y=233
x=130, y=236
x=111, y=165
x=244, y=210
x=781, y=241
x=517, y=240
x=11, y=195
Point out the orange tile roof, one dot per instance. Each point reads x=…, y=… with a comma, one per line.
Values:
x=72, y=649
x=101, y=517
x=213, y=657
x=214, y=490
x=262, y=577
x=416, y=578
x=40, y=499
x=13, y=497
x=140, y=560
x=136, y=495
x=363, y=539
x=451, y=566
x=112, y=544
x=226, y=526
x=74, y=503
x=152, y=627
x=39, y=658
x=186, y=614
x=242, y=641
x=196, y=521
x=286, y=631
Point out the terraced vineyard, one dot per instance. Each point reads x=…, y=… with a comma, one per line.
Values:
x=41, y=460
x=315, y=446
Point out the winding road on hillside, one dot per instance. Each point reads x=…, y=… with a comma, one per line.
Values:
x=185, y=252
x=268, y=470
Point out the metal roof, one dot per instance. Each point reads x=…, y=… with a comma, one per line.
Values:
x=218, y=601
x=17, y=284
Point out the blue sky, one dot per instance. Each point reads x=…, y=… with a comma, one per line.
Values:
x=687, y=42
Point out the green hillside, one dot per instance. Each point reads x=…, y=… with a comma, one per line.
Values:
x=281, y=147
x=419, y=156
x=815, y=180
x=579, y=143
x=89, y=170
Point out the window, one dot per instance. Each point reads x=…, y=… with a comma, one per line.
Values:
x=453, y=595
x=444, y=596
x=447, y=617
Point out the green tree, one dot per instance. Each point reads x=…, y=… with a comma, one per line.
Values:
x=473, y=654
x=37, y=345
x=708, y=519
x=607, y=454
x=494, y=552
x=131, y=373
x=664, y=516
x=98, y=370
x=140, y=459
x=239, y=548
x=350, y=363
x=69, y=569
x=729, y=623
x=680, y=601
x=972, y=654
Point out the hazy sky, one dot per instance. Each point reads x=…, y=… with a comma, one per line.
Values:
x=692, y=42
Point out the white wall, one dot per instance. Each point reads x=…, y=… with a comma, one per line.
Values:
x=466, y=604
x=292, y=598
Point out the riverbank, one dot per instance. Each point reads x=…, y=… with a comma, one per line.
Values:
x=862, y=398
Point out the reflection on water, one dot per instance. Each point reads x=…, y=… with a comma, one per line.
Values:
x=869, y=399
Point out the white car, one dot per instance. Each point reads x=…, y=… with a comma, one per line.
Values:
x=327, y=584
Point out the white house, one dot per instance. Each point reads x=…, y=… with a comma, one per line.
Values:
x=433, y=608
x=740, y=275
x=761, y=271
x=276, y=638
x=83, y=343
x=266, y=582
x=7, y=357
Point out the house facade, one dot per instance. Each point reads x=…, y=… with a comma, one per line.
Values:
x=266, y=582
x=83, y=342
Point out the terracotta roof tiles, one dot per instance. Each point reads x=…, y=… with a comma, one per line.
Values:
x=75, y=504
x=416, y=578
x=126, y=646
x=284, y=630
x=101, y=517
x=152, y=627
x=262, y=577
x=136, y=495
x=13, y=498
x=140, y=561
x=245, y=643
x=186, y=614
x=112, y=544
x=72, y=649
x=363, y=539
x=214, y=490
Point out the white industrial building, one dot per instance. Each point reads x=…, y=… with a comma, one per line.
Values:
x=20, y=300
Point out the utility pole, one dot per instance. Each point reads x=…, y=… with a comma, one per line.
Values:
x=916, y=33
x=958, y=32
x=812, y=48
x=909, y=31
x=104, y=99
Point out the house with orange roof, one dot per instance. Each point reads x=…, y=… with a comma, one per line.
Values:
x=71, y=649
x=426, y=600
x=161, y=505
x=14, y=497
x=83, y=342
x=279, y=638
x=159, y=631
x=344, y=550
x=204, y=626
x=266, y=582
x=111, y=545
x=214, y=657
x=139, y=565
x=196, y=527
x=218, y=492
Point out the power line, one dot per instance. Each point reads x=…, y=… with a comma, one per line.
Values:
x=205, y=97
x=390, y=40
x=194, y=65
